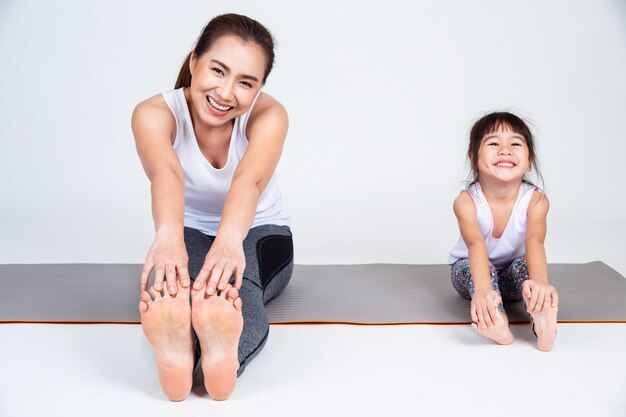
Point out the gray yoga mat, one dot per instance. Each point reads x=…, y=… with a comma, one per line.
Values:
x=358, y=294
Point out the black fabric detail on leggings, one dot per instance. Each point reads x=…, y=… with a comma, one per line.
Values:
x=250, y=281
x=244, y=362
x=274, y=253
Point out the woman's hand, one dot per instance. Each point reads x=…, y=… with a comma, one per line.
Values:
x=539, y=296
x=224, y=259
x=168, y=258
x=484, y=307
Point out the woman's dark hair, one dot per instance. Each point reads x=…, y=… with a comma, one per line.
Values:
x=229, y=24
x=493, y=122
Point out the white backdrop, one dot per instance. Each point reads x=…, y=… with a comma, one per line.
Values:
x=381, y=96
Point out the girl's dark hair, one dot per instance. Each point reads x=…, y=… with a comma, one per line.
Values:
x=229, y=24
x=493, y=122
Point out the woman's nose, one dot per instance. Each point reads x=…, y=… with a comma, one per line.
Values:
x=225, y=91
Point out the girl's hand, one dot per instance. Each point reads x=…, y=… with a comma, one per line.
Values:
x=168, y=258
x=539, y=296
x=224, y=259
x=484, y=307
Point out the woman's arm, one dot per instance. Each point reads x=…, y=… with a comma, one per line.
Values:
x=538, y=293
x=485, y=299
x=154, y=128
x=266, y=132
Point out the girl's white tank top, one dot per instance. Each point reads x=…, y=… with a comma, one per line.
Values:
x=205, y=186
x=511, y=244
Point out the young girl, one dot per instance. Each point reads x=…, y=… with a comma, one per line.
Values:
x=502, y=219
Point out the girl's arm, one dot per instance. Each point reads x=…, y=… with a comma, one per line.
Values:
x=485, y=299
x=535, y=236
x=538, y=293
x=266, y=132
x=154, y=128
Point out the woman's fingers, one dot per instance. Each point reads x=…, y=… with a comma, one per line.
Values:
x=216, y=274
x=167, y=261
x=145, y=275
x=203, y=275
x=239, y=277
x=170, y=272
x=154, y=293
x=183, y=275
x=227, y=272
x=170, y=276
x=159, y=273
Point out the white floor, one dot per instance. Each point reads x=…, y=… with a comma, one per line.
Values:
x=327, y=370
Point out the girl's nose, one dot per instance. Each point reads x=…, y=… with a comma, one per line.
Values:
x=504, y=151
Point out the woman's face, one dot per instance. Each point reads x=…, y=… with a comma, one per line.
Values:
x=225, y=80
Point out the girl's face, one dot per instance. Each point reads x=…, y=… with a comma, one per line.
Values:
x=225, y=80
x=503, y=156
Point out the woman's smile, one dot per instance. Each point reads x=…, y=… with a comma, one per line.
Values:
x=216, y=107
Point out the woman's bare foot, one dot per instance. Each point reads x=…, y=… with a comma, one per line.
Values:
x=544, y=326
x=218, y=322
x=166, y=322
x=500, y=332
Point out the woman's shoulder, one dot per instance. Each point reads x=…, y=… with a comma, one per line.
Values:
x=267, y=108
x=153, y=109
x=153, y=113
x=154, y=104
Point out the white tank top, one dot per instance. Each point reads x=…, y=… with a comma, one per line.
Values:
x=511, y=244
x=205, y=186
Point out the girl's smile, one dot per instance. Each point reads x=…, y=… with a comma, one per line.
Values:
x=503, y=156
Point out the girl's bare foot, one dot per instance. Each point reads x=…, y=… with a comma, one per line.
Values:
x=544, y=326
x=218, y=323
x=166, y=322
x=500, y=332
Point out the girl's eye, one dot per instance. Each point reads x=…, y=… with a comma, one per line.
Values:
x=517, y=144
x=492, y=144
x=218, y=71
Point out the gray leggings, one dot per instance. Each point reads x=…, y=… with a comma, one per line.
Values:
x=269, y=263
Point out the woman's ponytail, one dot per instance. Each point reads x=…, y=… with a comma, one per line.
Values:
x=184, y=75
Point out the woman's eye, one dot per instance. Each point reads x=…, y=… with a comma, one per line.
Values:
x=218, y=71
x=246, y=84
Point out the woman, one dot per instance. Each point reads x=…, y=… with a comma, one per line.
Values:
x=223, y=246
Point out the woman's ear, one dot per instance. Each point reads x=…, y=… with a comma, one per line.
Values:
x=192, y=62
